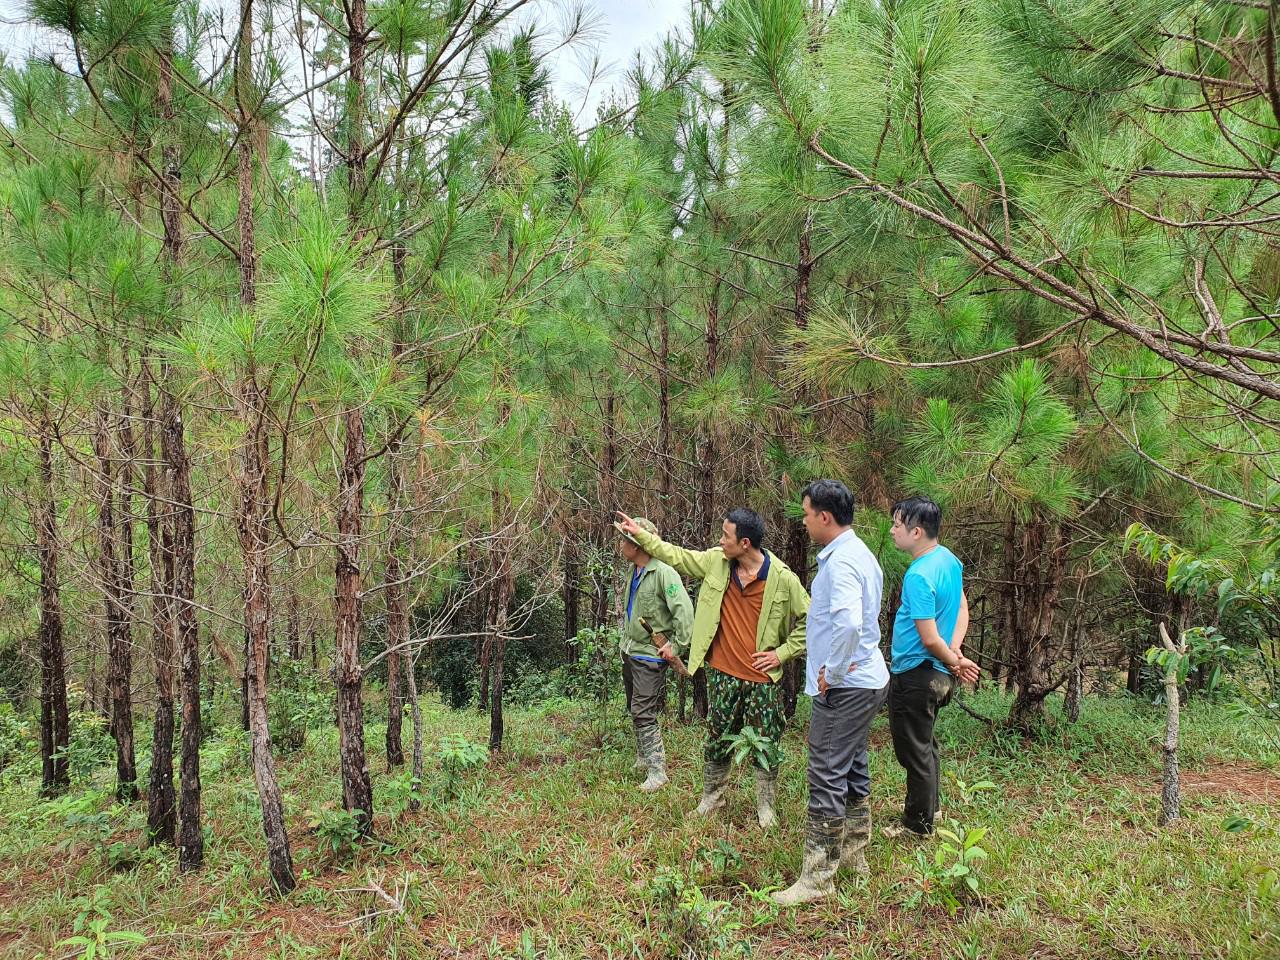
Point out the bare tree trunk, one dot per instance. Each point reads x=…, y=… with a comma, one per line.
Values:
x=293, y=617
x=119, y=660
x=397, y=605
x=357, y=789
x=161, y=798
x=572, y=587
x=178, y=484
x=503, y=588
x=126, y=591
x=254, y=545
x=1075, y=685
x=415, y=711
x=608, y=503
x=666, y=469
x=55, y=724
x=397, y=552
x=255, y=456
x=1040, y=578
x=1170, y=796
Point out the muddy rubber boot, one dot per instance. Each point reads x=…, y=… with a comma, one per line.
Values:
x=641, y=763
x=857, y=834
x=655, y=760
x=821, y=860
x=715, y=777
x=766, y=796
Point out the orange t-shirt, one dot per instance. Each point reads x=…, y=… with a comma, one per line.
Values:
x=735, y=640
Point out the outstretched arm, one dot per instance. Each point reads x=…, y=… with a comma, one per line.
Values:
x=690, y=563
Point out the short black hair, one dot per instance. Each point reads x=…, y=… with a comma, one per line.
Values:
x=747, y=523
x=831, y=496
x=919, y=512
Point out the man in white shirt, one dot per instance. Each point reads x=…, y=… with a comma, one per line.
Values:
x=848, y=680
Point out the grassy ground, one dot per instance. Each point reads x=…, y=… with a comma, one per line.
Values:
x=550, y=852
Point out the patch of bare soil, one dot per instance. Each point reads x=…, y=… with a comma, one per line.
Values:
x=1233, y=780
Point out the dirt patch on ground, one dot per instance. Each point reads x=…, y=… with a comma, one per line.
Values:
x=1233, y=780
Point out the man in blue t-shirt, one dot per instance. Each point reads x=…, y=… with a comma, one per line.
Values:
x=928, y=633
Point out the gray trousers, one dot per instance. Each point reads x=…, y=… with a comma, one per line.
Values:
x=645, y=684
x=838, y=773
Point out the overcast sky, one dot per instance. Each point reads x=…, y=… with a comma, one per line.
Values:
x=623, y=27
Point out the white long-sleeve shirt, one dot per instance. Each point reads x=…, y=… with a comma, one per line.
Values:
x=843, y=628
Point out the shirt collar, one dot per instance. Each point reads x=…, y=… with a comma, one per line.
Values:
x=761, y=576
x=845, y=538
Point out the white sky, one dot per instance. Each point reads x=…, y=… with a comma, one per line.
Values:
x=624, y=26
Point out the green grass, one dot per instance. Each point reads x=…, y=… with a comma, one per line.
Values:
x=549, y=851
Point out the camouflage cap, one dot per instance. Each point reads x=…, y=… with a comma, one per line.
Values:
x=642, y=522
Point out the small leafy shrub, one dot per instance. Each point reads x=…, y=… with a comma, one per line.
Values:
x=400, y=793
x=688, y=923
x=967, y=793
x=335, y=828
x=950, y=876
x=721, y=859
x=751, y=745
x=90, y=746
x=93, y=938
x=457, y=756
x=298, y=703
x=19, y=747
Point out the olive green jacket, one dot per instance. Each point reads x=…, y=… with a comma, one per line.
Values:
x=663, y=602
x=782, y=613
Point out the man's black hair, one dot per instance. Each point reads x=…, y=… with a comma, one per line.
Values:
x=747, y=523
x=919, y=512
x=831, y=496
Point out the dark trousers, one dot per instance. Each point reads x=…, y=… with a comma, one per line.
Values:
x=915, y=696
x=838, y=772
x=645, y=684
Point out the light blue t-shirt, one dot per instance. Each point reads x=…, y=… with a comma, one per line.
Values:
x=931, y=590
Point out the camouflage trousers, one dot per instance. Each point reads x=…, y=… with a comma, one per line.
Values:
x=733, y=704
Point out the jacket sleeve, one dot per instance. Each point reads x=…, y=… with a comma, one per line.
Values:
x=691, y=563
x=794, y=645
x=681, y=609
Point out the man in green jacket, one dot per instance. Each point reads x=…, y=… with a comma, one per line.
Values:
x=659, y=613
x=749, y=621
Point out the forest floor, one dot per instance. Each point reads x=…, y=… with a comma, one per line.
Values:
x=549, y=851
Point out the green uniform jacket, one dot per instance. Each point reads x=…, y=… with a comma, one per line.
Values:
x=782, y=613
x=665, y=605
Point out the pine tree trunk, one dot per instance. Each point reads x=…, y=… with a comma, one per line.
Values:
x=415, y=712
x=126, y=589
x=117, y=627
x=397, y=552
x=254, y=546
x=255, y=455
x=161, y=798
x=572, y=576
x=55, y=724
x=357, y=789
x=608, y=503
x=397, y=605
x=178, y=484
x=1040, y=578
x=182, y=601
x=666, y=461
x=503, y=590
x=1170, y=794
x=293, y=618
